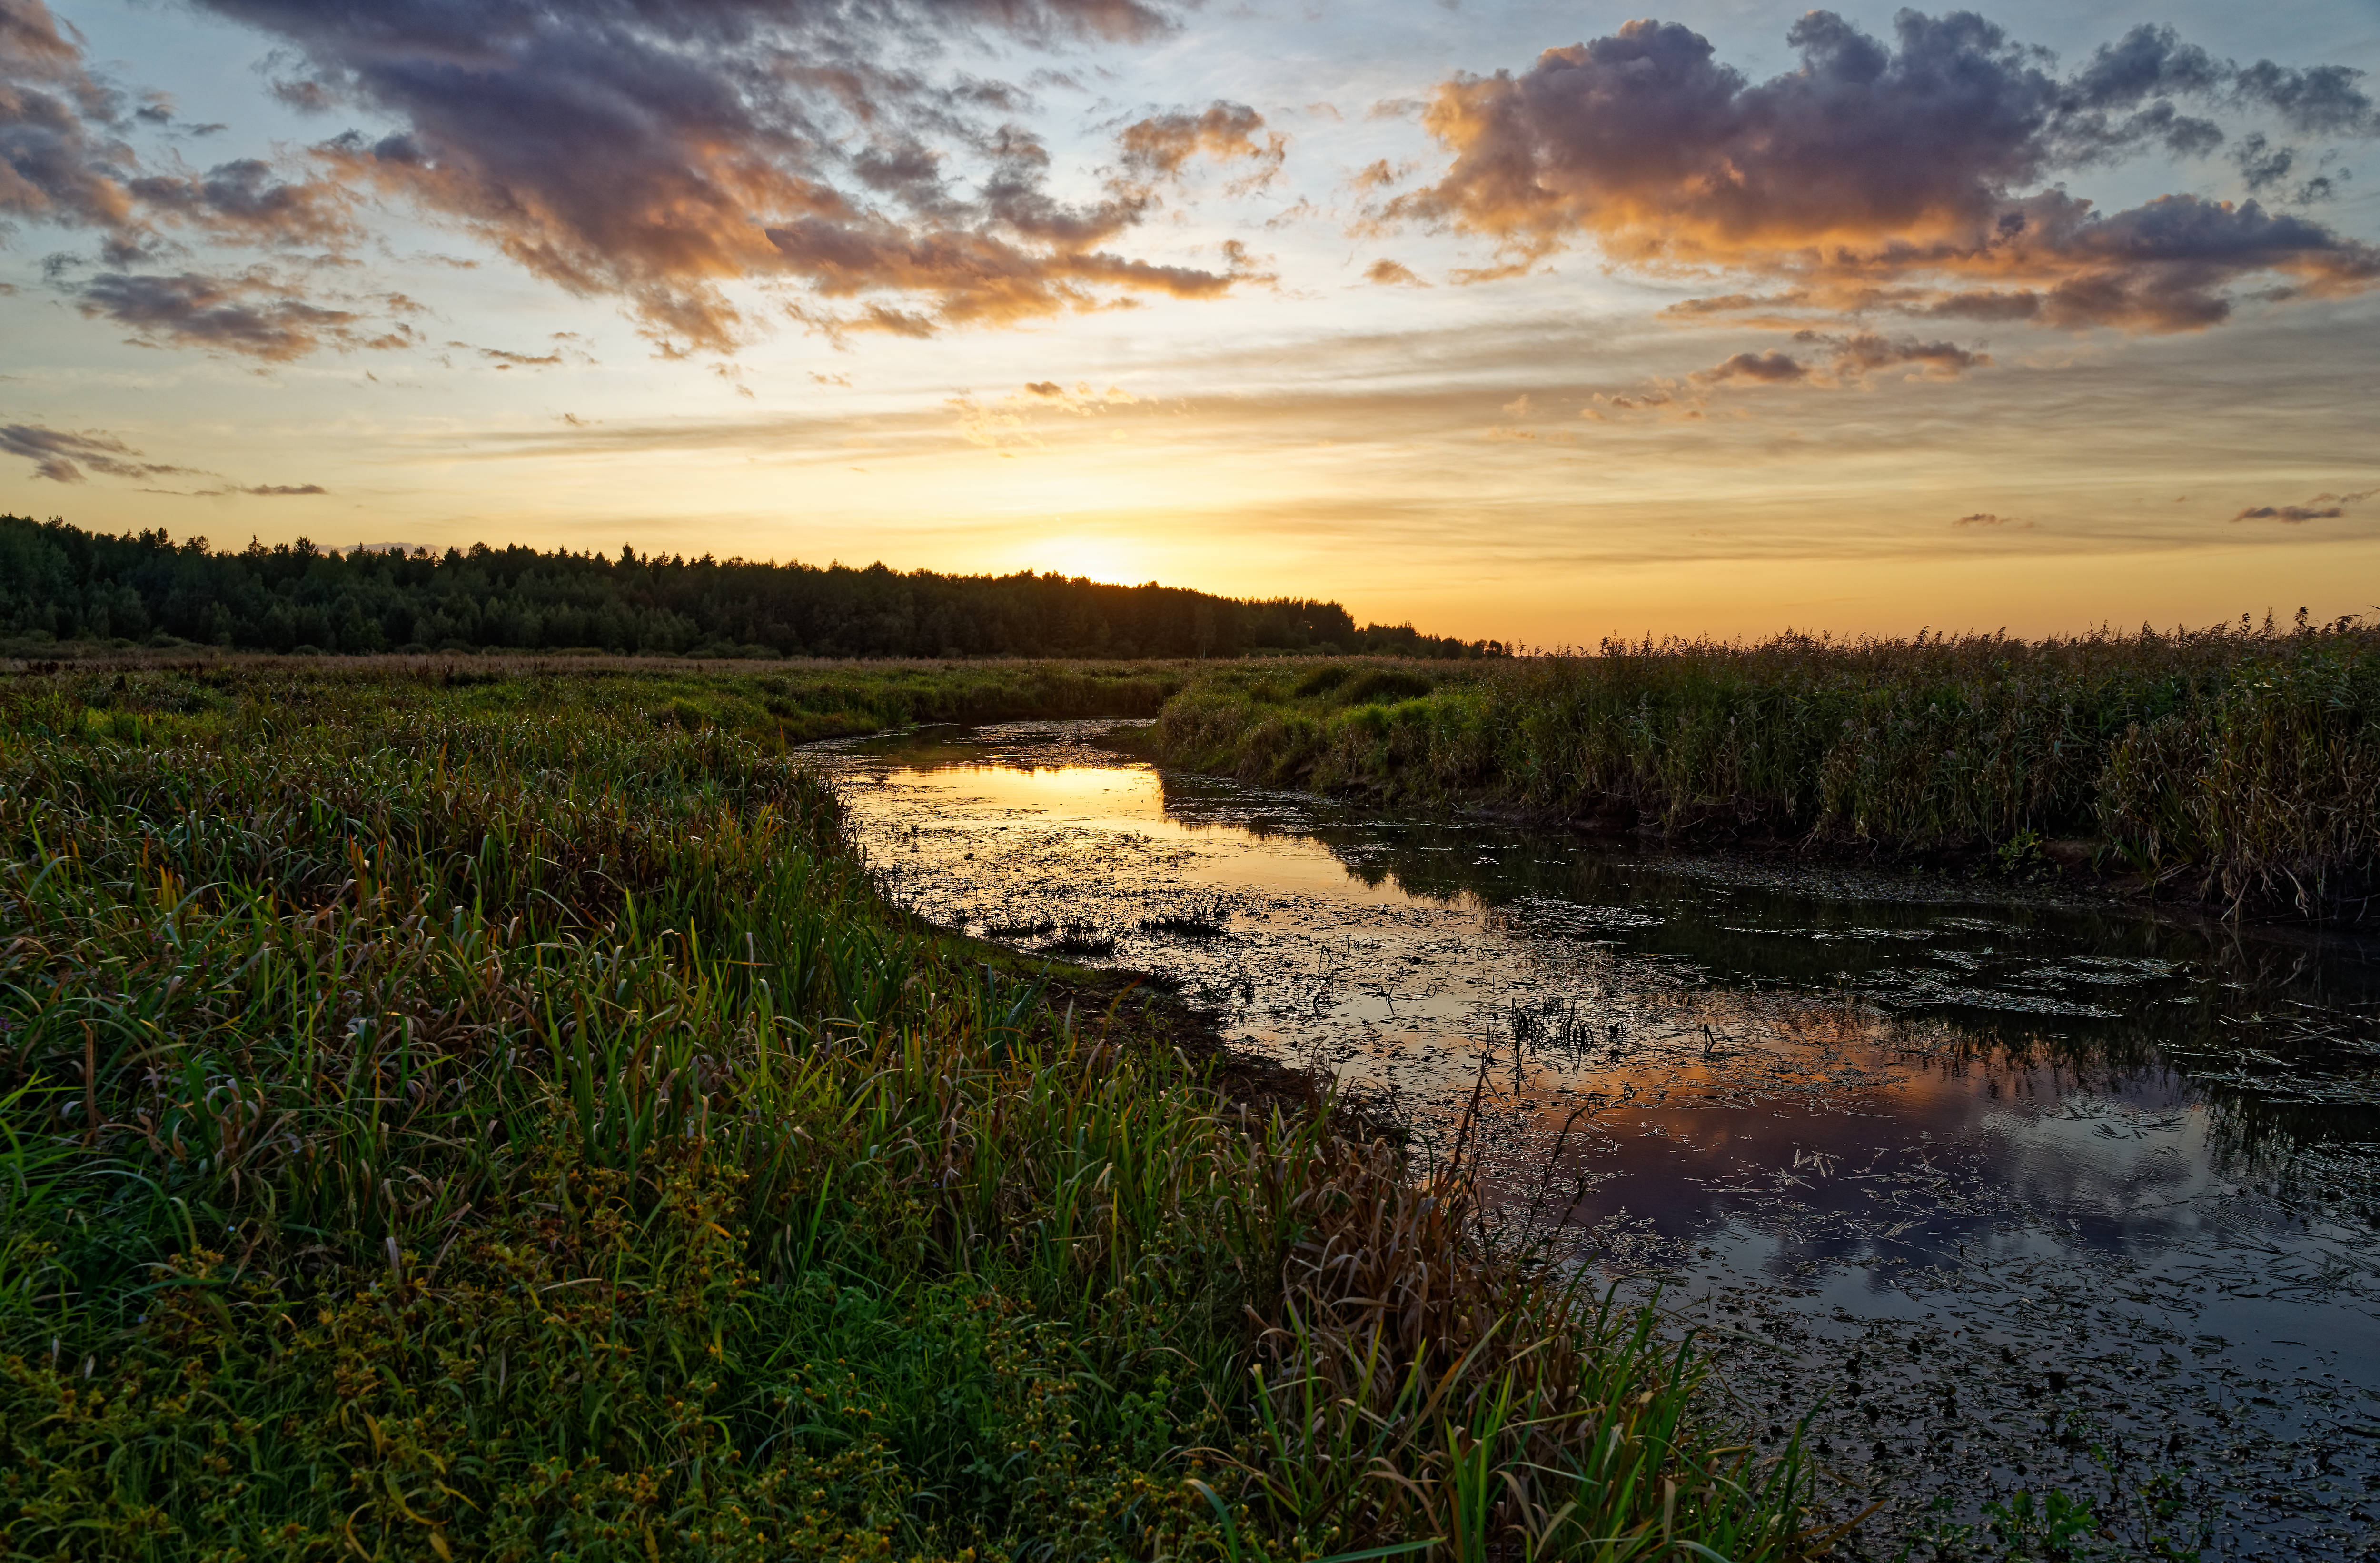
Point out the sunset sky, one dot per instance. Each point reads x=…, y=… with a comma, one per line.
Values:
x=1529, y=321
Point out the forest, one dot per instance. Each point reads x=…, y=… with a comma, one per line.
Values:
x=59, y=582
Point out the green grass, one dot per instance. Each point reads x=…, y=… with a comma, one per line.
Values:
x=2237, y=764
x=444, y=1118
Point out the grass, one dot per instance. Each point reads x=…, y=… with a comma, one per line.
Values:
x=2238, y=765
x=793, y=702
x=454, y=1119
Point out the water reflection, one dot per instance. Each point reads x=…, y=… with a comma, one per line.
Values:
x=1839, y=1102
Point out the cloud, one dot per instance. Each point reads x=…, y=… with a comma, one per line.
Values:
x=1916, y=176
x=969, y=277
x=1155, y=150
x=60, y=455
x=1854, y=358
x=1846, y=360
x=504, y=358
x=1816, y=359
x=242, y=201
x=1387, y=273
x=1080, y=398
x=64, y=159
x=661, y=152
x=62, y=156
x=255, y=315
x=2321, y=507
x=1990, y=519
x=1733, y=303
x=1767, y=369
x=281, y=489
x=1007, y=424
x=304, y=96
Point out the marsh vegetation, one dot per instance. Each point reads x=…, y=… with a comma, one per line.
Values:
x=486, y=1112
x=2238, y=765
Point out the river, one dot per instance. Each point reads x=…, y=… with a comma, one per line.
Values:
x=2020, y=1189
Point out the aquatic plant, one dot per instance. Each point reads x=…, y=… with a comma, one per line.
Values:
x=459, y=1119
x=2240, y=764
x=1198, y=923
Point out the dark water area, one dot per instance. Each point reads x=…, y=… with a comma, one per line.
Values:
x=2018, y=1189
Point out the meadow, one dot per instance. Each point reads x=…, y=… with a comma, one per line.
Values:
x=485, y=1109
x=2238, y=766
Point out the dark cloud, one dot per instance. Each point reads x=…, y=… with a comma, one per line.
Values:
x=659, y=151
x=1767, y=369
x=60, y=455
x=254, y=315
x=1848, y=360
x=1857, y=356
x=244, y=202
x=1908, y=176
x=1845, y=360
x=1989, y=518
x=304, y=96
x=275, y=490
x=2322, y=100
x=2321, y=507
x=62, y=158
x=2267, y=169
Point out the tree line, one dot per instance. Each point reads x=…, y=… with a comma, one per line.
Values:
x=59, y=582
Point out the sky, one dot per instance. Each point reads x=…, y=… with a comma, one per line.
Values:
x=1534, y=321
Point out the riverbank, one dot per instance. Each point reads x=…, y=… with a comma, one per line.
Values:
x=2238, y=766
x=478, y=1109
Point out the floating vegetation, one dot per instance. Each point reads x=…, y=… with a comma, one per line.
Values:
x=1080, y=942
x=1206, y=924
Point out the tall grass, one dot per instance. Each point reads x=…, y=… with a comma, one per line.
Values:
x=2240, y=764
x=504, y=1121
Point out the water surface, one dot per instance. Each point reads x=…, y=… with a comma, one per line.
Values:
x=2025, y=1189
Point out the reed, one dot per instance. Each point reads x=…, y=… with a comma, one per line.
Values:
x=2238, y=765
x=468, y=1120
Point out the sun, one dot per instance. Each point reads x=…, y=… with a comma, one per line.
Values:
x=1089, y=555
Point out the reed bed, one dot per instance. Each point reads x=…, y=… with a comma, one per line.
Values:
x=503, y=1120
x=2238, y=765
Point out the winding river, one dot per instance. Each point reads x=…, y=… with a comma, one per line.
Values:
x=2018, y=1189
